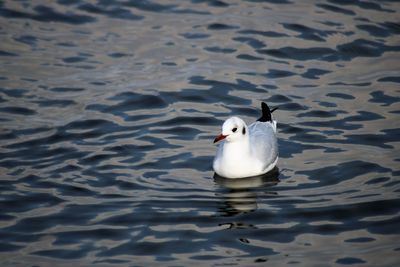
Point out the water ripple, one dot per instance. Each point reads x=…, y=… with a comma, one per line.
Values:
x=108, y=111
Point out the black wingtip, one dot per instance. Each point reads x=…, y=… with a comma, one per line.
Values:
x=266, y=113
x=272, y=110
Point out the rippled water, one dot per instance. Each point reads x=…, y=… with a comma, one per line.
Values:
x=108, y=110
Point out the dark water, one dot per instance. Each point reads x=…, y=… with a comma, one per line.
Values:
x=108, y=110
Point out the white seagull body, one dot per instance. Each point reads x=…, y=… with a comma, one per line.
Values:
x=247, y=150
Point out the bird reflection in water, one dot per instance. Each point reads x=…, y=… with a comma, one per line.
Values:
x=240, y=195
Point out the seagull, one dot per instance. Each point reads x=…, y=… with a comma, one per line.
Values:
x=247, y=151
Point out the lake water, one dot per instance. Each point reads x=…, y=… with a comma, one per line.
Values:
x=108, y=110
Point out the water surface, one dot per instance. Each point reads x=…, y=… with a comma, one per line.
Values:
x=108, y=110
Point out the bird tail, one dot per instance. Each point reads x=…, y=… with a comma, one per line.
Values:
x=266, y=113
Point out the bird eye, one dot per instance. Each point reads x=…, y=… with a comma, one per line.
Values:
x=234, y=129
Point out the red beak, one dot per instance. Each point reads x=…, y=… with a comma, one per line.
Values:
x=219, y=138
